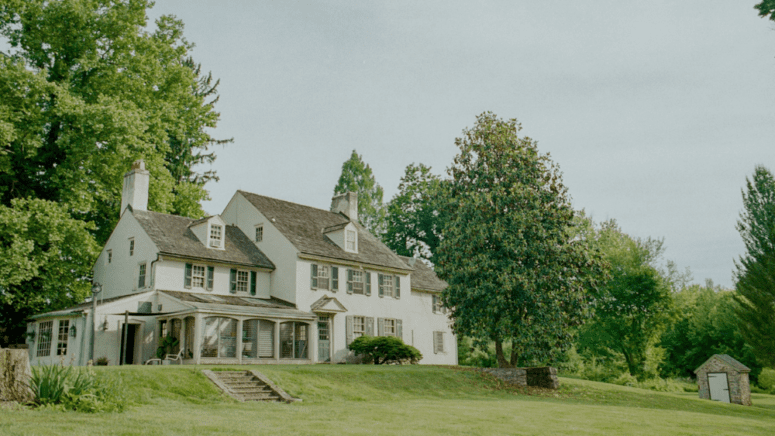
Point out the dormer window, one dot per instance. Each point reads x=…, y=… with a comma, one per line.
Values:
x=216, y=235
x=352, y=240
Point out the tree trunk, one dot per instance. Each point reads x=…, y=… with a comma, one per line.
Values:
x=502, y=362
x=514, y=355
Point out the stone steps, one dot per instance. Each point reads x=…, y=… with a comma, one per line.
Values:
x=248, y=386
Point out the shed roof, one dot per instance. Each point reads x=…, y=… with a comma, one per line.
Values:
x=240, y=305
x=423, y=276
x=305, y=228
x=729, y=360
x=172, y=235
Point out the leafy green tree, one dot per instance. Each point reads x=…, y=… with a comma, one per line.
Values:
x=632, y=308
x=755, y=272
x=357, y=177
x=415, y=215
x=85, y=90
x=516, y=273
x=706, y=325
x=45, y=262
x=766, y=8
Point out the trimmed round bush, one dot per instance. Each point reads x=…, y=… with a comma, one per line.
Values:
x=385, y=349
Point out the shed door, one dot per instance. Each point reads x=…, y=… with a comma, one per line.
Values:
x=719, y=387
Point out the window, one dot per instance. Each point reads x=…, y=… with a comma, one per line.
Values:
x=64, y=330
x=219, y=337
x=141, y=276
x=110, y=256
x=216, y=235
x=131, y=246
x=351, y=240
x=359, y=326
x=44, y=338
x=259, y=233
x=389, y=286
x=437, y=307
x=198, y=276
x=438, y=342
x=324, y=277
x=356, y=283
x=240, y=281
x=257, y=338
x=389, y=327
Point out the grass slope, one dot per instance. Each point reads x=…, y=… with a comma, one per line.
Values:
x=417, y=400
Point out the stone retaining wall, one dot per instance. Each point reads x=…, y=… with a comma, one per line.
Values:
x=15, y=376
x=541, y=377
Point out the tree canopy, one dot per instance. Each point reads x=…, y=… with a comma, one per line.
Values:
x=85, y=90
x=755, y=271
x=357, y=177
x=517, y=274
x=415, y=215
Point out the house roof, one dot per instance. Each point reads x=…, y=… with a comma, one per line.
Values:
x=423, y=276
x=304, y=227
x=240, y=305
x=729, y=360
x=327, y=304
x=79, y=308
x=172, y=235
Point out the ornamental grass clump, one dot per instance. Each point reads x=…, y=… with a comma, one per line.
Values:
x=79, y=389
x=385, y=349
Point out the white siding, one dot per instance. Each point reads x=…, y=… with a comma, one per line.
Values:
x=170, y=275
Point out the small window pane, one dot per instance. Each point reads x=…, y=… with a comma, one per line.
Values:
x=44, y=338
x=64, y=330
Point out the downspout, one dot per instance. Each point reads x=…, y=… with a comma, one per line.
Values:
x=153, y=271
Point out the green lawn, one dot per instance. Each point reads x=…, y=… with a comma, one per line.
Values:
x=351, y=399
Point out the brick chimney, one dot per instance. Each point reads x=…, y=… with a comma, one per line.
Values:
x=347, y=204
x=135, y=192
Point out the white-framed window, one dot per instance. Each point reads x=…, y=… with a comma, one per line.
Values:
x=351, y=241
x=438, y=342
x=355, y=281
x=359, y=326
x=389, y=286
x=44, y=338
x=243, y=280
x=437, y=307
x=216, y=235
x=141, y=276
x=259, y=233
x=131, y=246
x=389, y=327
x=198, y=276
x=64, y=333
x=110, y=256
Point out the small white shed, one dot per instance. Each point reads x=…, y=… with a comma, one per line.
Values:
x=723, y=378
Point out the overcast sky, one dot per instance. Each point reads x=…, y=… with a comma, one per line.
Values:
x=655, y=111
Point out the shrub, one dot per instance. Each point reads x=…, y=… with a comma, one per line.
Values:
x=102, y=361
x=385, y=349
x=166, y=344
x=77, y=389
x=767, y=379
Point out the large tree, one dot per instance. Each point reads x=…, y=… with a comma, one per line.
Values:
x=85, y=89
x=632, y=308
x=517, y=275
x=357, y=177
x=755, y=271
x=415, y=215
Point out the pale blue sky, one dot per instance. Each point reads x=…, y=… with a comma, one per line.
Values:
x=655, y=111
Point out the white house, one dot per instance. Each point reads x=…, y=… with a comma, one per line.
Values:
x=267, y=281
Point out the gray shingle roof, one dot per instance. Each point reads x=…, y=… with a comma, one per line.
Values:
x=172, y=235
x=423, y=276
x=241, y=305
x=729, y=360
x=304, y=227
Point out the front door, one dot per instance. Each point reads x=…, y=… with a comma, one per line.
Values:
x=719, y=387
x=128, y=347
x=324, y=339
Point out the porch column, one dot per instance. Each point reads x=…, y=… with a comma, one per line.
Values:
x=197, y=337
x=277, y=340
x=239, y=340
x=182, y=338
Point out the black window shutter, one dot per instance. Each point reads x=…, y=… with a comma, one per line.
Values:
x=368, y=283
x=379, y=283
x=313, y=276
x=433, y=303
x=334, y=278
x=349, y=281
x=252, y=283
x=187, y=277
x=233, y=287
x=210, y=277
x=397, y=292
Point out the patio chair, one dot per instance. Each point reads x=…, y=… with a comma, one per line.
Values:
x=170, y=357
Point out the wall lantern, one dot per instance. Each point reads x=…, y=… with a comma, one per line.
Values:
x=73, y=332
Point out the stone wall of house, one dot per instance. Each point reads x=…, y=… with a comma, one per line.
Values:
x=541, y=377
x=739, y=385
x=15, y=375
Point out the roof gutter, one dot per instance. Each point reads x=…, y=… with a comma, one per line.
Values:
x=222, y=262
x=389, y=269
